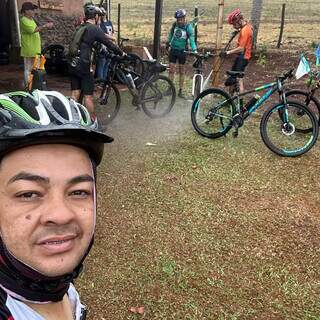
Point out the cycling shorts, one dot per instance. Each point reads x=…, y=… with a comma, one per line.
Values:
x=83, y=83
x=179, y=55
x=240, y=64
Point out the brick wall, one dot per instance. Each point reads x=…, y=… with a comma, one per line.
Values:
x=67, y=7
x=63, y=14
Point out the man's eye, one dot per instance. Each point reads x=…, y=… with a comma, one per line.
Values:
x=28, y=195
x=80, y=193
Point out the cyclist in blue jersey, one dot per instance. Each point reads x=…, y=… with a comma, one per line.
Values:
x=49, y=152
x=180, y=36
x=103, y=62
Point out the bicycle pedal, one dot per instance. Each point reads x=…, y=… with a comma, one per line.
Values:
x=235, y=134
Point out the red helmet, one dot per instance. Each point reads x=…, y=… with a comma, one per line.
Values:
x=235, y=15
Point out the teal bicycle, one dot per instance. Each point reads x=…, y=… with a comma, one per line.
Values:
x=287, y=128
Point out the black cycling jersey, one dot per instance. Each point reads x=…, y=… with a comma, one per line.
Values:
x=94, y=34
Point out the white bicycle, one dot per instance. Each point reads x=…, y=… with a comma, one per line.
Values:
x=199, y=81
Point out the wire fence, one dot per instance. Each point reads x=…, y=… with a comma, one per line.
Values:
x=302, y=20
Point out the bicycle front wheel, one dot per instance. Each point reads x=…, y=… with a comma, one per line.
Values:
x=158, y=96
x=107, y=100
x=197, y=87
x=279, y=132
x=212, y=112
x=304, y=98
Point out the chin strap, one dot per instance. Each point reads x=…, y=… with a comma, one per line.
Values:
x=26, y=284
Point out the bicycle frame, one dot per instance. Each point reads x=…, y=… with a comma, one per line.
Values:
x=203, y=82
x=274, y=86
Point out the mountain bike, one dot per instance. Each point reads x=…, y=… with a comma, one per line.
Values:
x=307, y=97
x=284, y=127
x=151, y=91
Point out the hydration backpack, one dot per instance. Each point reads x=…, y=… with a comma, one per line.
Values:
x=76, y=40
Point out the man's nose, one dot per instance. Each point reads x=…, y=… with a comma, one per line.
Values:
x=58, y=211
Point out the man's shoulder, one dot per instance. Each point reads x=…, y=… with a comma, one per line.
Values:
x=247, y=28
x=27, y=21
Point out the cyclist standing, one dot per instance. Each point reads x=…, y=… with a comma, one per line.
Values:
x=83, y=79
x=48, y=160
x=180, y=34
x=243, y=49
x=103, y=62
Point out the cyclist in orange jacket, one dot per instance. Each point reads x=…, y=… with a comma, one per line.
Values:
x=243, y=48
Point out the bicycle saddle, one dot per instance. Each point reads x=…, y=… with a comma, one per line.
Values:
x=236, y=74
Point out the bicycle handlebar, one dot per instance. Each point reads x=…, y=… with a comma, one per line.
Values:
x=200, y=56
x=286, y=75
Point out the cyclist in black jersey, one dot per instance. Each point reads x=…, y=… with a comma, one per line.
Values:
x=49, y=151
x=84, y=81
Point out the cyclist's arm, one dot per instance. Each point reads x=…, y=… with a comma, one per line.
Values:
x=235, y=50
x=190, y=31
x=104, y=39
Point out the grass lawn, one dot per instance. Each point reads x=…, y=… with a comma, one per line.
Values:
x=192, y=228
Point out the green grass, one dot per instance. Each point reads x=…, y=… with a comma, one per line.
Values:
x=193, y=228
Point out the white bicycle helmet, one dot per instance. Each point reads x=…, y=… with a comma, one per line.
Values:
x=47, y=117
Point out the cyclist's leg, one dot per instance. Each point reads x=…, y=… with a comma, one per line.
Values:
x=101, y=61
x=172, y=64
x=87, y=86
x=240, y=65
x=231, y=81
x=182, y=61
x=28, y=64
x=75, y=88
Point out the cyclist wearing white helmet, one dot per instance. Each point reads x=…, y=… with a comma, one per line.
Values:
x=243, y=48
x=49, y=151
x=180, y=34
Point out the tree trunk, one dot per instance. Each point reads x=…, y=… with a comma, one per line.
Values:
x=255, y=19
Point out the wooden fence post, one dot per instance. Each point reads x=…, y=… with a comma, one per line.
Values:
x=217, y=59
x=283, y=14
x=119, y=22
x=157, y=29
x=196, y=13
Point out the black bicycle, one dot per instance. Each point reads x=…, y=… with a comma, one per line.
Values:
x=151, y=91
x=308, y=97
x=284, y=127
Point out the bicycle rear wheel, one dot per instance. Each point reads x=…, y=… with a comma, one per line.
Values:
x=280, y=134
x=212, y=112
x=302, y=97
x=107, y=100
x=158, y=96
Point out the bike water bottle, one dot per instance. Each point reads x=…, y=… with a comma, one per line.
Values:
x=130, y=80
x=251, y=102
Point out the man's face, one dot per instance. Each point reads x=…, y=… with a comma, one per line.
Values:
x=237, y=24
x=30, y=13
x=47, y=206
x=181, y=21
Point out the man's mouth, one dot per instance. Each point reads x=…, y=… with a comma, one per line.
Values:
x=58, y=244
